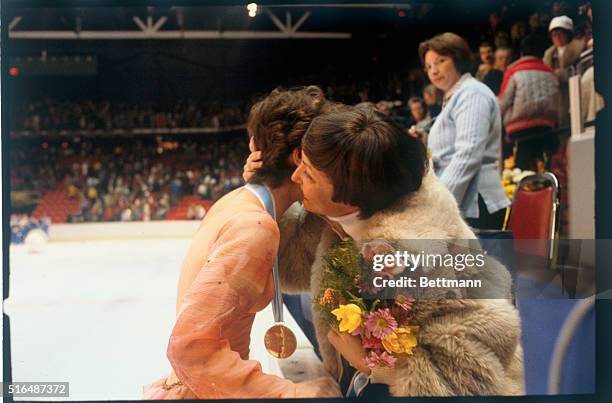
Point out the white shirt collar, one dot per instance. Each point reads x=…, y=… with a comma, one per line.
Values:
x=351, y=224
x=454, y=88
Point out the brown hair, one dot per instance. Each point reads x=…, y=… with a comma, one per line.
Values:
x=369, y=159
x=434, y=92
x=417, y=100
x=277, y=124
x=451, y=45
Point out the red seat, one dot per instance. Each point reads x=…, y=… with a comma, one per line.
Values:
x=534, y=215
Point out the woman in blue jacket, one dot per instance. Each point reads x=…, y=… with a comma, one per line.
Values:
x=465, y=139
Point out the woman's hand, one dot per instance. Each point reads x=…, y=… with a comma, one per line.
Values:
x=419, y=133
x=351, y=349
x=253, y=163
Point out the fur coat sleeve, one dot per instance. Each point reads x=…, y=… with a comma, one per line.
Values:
x=301, y=232
x=466, y=348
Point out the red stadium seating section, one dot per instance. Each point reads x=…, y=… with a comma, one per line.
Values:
x=56, y=205
x=179, y=211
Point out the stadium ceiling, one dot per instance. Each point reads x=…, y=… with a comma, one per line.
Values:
x=274, y=21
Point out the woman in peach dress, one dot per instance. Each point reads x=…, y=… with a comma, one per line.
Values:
x=226, y=277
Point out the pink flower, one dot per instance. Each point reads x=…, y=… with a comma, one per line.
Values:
x=369, y=249
x=372, y=359
x=404, y=302
x=380, y=323
x=383, y=360
x=371, y=342
x=387, y=360
x=381, y=248
x=400, y=315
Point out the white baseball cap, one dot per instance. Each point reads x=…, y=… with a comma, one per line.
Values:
x=563, y=22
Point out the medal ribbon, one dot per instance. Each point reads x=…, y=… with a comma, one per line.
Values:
x=265, y=197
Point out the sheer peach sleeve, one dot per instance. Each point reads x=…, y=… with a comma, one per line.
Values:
x=227, y=288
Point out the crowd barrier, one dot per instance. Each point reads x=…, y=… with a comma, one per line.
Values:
x=123, y=230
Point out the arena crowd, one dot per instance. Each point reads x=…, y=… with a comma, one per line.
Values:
x=525, y=61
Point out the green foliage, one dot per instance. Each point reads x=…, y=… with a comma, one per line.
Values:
x=341, y=269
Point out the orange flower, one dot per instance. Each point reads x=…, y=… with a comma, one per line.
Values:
x=328, y=297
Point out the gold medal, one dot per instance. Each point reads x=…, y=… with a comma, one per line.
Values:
x=280, y=341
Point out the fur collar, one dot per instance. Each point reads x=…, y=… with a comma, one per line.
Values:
x=429, y=213
x=570, y=55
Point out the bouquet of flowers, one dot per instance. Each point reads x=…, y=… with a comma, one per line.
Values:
x=381, y=321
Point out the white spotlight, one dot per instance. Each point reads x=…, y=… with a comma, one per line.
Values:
x=252, y=9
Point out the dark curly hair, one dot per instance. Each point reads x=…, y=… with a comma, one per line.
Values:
x=277, y=124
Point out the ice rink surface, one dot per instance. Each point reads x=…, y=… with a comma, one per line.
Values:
x=98, y=314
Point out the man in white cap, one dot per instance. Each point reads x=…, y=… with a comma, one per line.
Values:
x=561, y=57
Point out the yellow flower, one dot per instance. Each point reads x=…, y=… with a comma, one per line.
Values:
x=349, y=317
x=401, y=341
x=391, y=343
x=509, y=162
x=509, y=190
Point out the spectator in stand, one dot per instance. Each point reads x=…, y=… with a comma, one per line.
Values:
x=502, y=39
x=517, y=33
x=22, y=224
x=203, y=190
x=465, y=138
x=493, y=79
x=486, y=60
x=528, y=102
x=146, y=212
x=419, y=112
x=384, y=107
x=421, y=119
x=591, y=101
x=433, y=100
x=72, y=191
x=586, y=13
x=503, y=58
x=55, y=114
x=126, y=214
x=366, y=104
x=164, y=207
x=200, y=212
x=535, y=27
x=494, y=24
x=129, y=174
x=191, y=212
x=561, y=57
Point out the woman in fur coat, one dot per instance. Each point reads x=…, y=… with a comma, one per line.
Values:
x=364, y=178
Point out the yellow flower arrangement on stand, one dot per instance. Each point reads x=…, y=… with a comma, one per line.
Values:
x=512, y=176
